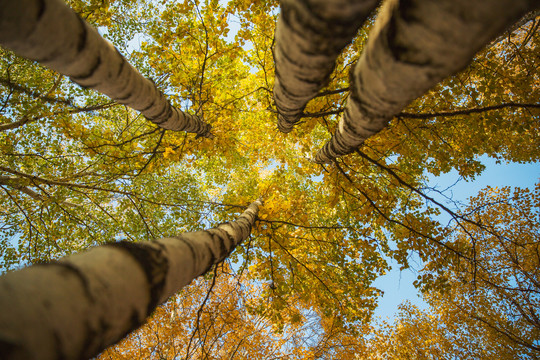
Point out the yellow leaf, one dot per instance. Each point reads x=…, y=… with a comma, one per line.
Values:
x=168, y=151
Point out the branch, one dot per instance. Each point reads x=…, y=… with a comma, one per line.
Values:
x=19, y=184
x=415, y=190
x=397, y=222
x=13, y=125
x=200, y=310
x=25, y=120
x=332, y=92
x=35, y=94
x=322, y=113
x=467, y=111
x=334, y=227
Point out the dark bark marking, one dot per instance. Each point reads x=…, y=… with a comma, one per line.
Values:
x=334, y=33
x=69, y=267
x=124, y=98
x=320, y=81
x=93, y=341
x=10, y=350
x=407, y=10
x=60, y=355
x=290, y=95
x=90, y=72
x=191, y=248
x=134, y=324
x=163, y=117
x=47, y=304
x=232, y=242
x=209, y=249
x=194, y=255
x=404, y=53
x=122, y=63
x=90, y=336
x=154, y=264
x=83, y=36
x=154, y=99
x=41, y=6
x=349, y=128
x=81, y=41
x=317, y=75
x=223, y=249
x=357, y=83
x=128, y=85
x=285, y=54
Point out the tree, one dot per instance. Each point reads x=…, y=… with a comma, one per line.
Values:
x=76, y=307
x=499, y=290
x=102, y=159
x=396, y=67
x=51, y=33
x=492, y=302
x=309, y=38
x=325, y=233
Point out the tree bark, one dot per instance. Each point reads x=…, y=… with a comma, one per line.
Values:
x=310, y=35
x=49, y=32
x=75, y=307
x=413, y=46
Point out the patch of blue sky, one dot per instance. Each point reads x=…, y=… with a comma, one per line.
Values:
x=449, y=189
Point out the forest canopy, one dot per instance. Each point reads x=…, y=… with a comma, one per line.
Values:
x=79, y=170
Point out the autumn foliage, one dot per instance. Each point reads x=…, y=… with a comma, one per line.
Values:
x=77, y=170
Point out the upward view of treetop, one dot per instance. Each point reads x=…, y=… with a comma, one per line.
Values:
x=304, y=135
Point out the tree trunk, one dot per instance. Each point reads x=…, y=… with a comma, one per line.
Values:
x=413, y=46
x=49, y=32
x=75, y=307
x=310, y=35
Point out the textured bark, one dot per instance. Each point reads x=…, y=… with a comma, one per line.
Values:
x=49, y=32
x=310, y=35
x=75, y=307
x=414, y=45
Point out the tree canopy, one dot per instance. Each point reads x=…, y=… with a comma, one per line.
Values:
x=79, y=170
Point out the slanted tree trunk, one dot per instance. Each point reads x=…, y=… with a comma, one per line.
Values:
x=49, y=32
x=413, y=46
x=310, y=35
x=75, y=307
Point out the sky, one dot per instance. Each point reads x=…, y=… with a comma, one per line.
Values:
x=397, y=285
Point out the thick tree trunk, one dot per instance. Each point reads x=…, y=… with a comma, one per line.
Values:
x=75, y=307
x=49, y=32
x=310, y=35
x=414, y=45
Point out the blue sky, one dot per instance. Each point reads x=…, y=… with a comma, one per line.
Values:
x=397, y=285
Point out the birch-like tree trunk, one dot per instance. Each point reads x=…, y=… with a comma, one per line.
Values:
x=413, y=46
x=49, y=32
x=75, y=307
x=310, y=35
